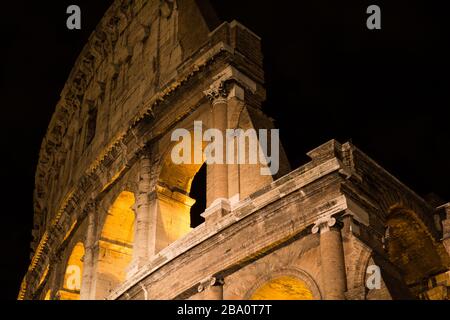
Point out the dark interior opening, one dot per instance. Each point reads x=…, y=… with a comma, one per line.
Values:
x=198, y=192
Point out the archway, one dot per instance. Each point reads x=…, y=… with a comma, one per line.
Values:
x=412, y=248
x=174, y=202
x=115, y=245
x=283, y=288
x=72, y=277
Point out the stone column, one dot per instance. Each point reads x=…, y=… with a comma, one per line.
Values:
x=218, y=204
x=212, y=289
x=334, y=281
x=142, y=248
x=87, y=290
x=236, y=107
x=218, y=96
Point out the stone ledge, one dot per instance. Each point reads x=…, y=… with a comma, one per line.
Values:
x=206, y=231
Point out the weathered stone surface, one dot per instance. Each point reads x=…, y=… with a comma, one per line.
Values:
x=105, y=183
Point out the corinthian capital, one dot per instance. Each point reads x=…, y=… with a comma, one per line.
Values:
x=217, y=93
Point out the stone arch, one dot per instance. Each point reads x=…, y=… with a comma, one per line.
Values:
x=361, y=267
x=177, y=177
x=172, y=190
x=412, y=247
x=391, y=199
x=357, y=278
x=392, y=286
x=115, y=245
x=73, y=274
x=285, y=284
x=166, y=166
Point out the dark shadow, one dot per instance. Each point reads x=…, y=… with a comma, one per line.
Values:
x=198, y=192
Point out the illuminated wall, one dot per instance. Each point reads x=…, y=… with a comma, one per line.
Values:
x=72, y=278
x=115, y=245
x=283, y=288
x=173, y=202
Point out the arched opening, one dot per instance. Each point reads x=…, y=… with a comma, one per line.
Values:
x=177, y=213
x=115, y=245
x=413, y=250
x=72, y=277
x=283, y=288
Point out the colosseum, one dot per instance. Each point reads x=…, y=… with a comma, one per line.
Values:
x=114, y=214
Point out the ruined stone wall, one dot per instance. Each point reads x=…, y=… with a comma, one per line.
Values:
x=155, y=66
x=271, y=234
x=131, y=57
x=144, y=69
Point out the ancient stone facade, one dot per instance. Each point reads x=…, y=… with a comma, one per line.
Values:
x=112, y=211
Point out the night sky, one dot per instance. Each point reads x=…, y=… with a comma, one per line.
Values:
x=328, y=76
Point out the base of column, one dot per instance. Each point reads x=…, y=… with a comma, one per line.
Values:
x=219, y=209
x=211, y=289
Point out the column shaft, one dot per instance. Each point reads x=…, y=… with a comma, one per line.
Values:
x=86, y=291
x=142, y=245
x=333, y=264
x=334, y=280
x=214, y=293
x=212, y=289
x=220, y=171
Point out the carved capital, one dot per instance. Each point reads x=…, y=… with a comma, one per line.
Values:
x=210, y=282
x=217, y=93
x=325, y=224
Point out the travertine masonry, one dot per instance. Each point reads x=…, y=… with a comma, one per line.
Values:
x=113, y=211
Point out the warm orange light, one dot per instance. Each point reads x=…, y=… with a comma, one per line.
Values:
x=74, y=270
x=174, y=204
x=283, y=288
x=48, y=295
x=44, y=275
x=119, y=224
x=116, y=244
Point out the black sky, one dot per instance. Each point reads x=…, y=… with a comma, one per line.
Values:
x=328, y=76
